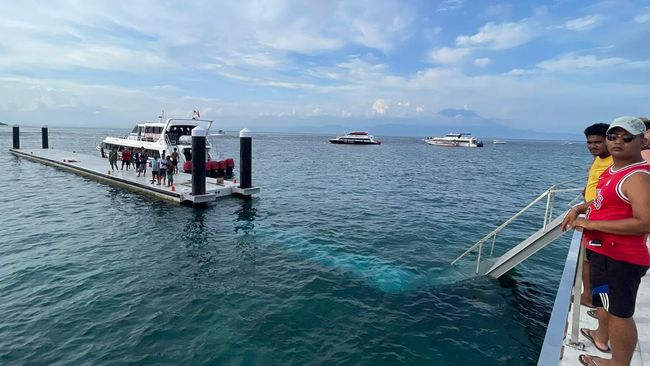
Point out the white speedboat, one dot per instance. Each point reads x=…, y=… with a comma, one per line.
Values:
x=159, y=138
x=498, y=142
x=359, y=138
x=455, y=140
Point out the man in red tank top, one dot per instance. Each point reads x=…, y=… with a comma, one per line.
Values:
x=615, y=228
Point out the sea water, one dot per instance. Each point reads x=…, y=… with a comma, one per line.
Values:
x=343, y=258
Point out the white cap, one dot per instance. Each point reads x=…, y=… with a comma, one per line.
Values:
x=632, y=125
x=245, y=133
x=199, y=131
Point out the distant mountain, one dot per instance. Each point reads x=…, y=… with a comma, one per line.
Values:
x=457, y=113
x=445, y=121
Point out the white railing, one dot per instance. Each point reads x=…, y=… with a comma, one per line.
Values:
x=549, y=194
x=570, y=283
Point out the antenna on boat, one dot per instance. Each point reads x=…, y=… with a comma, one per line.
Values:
x=162, y=116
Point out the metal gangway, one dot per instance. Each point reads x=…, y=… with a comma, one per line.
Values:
x=488, y=265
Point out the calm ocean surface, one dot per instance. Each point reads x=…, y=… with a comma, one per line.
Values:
x=342, y=259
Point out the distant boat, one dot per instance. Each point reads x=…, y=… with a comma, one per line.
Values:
x=357, y=138
x=219, y=133
x=498, y=142
x=455, y=140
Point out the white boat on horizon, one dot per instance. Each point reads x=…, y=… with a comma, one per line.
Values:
x=498, y=142
x=160, y=138
x=356, y=137
x=455, y=140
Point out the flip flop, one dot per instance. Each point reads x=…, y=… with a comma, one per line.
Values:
x=588, y=360
x=593, y=314
x=587, y=333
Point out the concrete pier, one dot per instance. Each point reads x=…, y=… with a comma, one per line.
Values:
x=97, y=168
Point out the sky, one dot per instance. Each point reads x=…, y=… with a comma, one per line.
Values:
x=277, y=65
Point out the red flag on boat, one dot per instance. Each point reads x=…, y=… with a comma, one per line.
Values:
x=195, y=114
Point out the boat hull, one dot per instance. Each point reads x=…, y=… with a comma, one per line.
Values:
x=354, y=142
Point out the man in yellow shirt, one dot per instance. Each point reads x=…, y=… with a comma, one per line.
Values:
x=595, y=135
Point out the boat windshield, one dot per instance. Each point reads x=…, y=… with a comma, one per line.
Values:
x=175, y=132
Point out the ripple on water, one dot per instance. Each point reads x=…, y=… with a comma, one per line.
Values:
x=343, y=259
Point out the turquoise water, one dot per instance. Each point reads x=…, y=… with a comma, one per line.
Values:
x=342, y=259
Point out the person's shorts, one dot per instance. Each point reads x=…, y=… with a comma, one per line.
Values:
x=154, y=173
x=143, y=167
x=614, y=284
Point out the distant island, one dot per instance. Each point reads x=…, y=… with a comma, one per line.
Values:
x=3, y=124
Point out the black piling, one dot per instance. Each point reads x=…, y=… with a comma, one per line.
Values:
x=16, y=135
x=44, y=136
x=245, y=158
x=199, y=135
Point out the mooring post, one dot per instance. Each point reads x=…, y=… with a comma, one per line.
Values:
x=199, y=135
x=245, y=158
x=16, y=134
x=44, y=135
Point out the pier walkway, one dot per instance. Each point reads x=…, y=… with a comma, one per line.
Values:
x=559, y=347
x=98, y=168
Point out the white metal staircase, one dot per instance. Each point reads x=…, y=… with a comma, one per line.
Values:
x=495, y=267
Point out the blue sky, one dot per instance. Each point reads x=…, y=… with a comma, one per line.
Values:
x=277, y=65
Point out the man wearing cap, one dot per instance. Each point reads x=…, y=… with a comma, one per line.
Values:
x=614, y=228
x=646, y=150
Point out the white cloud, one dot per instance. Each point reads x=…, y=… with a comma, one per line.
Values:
x=419, y=109
x=446, y=55
x=482, y=62
x=380, y=107
x=642, y=18
x=583, y=23
x=498, y=36
x=448, y=5
x=572, y=63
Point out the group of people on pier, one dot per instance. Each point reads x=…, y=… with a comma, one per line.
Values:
x=615, y=232
x=163, y=169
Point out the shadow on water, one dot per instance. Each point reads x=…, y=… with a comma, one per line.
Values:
x=532, y=314
x=245, y=217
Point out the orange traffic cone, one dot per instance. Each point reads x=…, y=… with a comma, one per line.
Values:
x=173, y=188
x=234, y=180
x=109, y=172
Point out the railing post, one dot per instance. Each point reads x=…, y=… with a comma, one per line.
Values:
x=494, y=239
x=577, y=287
x=548, y=201
x=478, y=260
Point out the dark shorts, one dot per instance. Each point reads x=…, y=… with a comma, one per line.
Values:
x=614, y=284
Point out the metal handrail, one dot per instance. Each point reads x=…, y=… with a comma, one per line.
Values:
x=552, y=348
x=548, y=213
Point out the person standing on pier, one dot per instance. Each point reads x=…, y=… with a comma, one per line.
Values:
x=155, y=166
x=615, y=228
x=162, y=171
x=170, y=172
x=126, y=158
x=174, y=165
x=112, y=158
x=595, y=135
x=143, y=158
